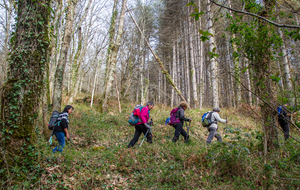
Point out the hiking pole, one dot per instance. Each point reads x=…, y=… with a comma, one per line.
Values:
x=188, y=128
x=144, y=138
x=146, y=133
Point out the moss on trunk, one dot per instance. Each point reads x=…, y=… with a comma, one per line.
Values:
x=21, y=94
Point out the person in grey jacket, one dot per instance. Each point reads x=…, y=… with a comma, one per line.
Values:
x=179, y=126
x=215, y=117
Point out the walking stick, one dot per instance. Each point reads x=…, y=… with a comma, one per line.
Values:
x=146, y=133
x=188, y=128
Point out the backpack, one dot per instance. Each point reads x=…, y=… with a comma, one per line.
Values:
x=281, y=111
x=134, y=117
x=53, y=120
x=173, y=119
x=206, y=119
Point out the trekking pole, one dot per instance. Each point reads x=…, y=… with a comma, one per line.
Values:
x=146, y=133
x=225, y=127
x=144, y=138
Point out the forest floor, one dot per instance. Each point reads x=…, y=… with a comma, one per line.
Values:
x=97, y=156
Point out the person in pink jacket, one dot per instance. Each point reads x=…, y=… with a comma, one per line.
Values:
x=143, y=127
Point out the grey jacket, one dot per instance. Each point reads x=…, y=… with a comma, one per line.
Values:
x=216, y=117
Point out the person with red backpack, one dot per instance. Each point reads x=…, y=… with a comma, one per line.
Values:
x=143, y=126
x=178, y=125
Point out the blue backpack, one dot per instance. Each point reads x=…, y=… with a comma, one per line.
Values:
x=134, y=117
x=206, y=119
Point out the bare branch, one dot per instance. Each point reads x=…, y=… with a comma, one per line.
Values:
x=255, y=15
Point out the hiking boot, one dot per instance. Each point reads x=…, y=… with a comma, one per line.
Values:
x=174, y=139
x=186, y=139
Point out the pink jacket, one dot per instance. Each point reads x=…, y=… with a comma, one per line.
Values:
x=144, y=115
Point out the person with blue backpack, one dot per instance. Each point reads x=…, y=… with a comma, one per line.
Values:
x=178, y=123
x=142, y=126
x=213, y=126
x=284, y=118
x=60, y=129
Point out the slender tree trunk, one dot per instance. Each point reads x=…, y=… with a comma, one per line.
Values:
x=4, y=56
x=111, y=39
x=75, y=67
x=193, y=70
x=59, y=74
x=118, y=96
x=21, y=94
x=247, y=74
x=286, y=70
x=201, y=69
x=113, y=57
x=178, y=68
x=187, y=65
x=213, y=63
x=172, y=70
x=159, y=86
x=96, y=75
x=236, y=65
x=54, y=45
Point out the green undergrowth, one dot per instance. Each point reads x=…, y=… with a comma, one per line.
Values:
x=97, y=156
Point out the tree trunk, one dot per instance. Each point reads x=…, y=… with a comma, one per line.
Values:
x=59, y=74
x=286, y=70
x=187, y=65
x=4, y=56
x=247, y=73
x=173, y=72
x=213, y=63
x=21, y=94
x=75, y=67
x=112, y=58
x=193, y=70
x=236, y=65
x=54, y=47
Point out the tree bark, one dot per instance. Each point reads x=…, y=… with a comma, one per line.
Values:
x=4, y=56
x=21, y=94
x=286, y=70
x=193, y=70
x=59, y=74
x=112, y=57
x=212, y=46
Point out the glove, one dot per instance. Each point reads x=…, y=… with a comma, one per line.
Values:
x=189, y=120
x=147, y=126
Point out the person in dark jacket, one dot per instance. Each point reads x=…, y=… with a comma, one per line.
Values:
x=284, y=118
x=143, y=126
x=61, y=128
x=179, y=126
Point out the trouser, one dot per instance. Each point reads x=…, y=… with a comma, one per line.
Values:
x=61, y=140
x=285, y=125
x=139, y=129
x=179, y=131
x=213, y=133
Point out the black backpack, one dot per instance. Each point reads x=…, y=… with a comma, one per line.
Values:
x=53, y=120
x=281, y=111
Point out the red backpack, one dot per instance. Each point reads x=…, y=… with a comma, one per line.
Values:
x=173, y=119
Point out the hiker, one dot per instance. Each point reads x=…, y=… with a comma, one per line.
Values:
x=143, y=127
x=284, y=120
x=61, y=128
x=215, y=117
x=179, y=126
